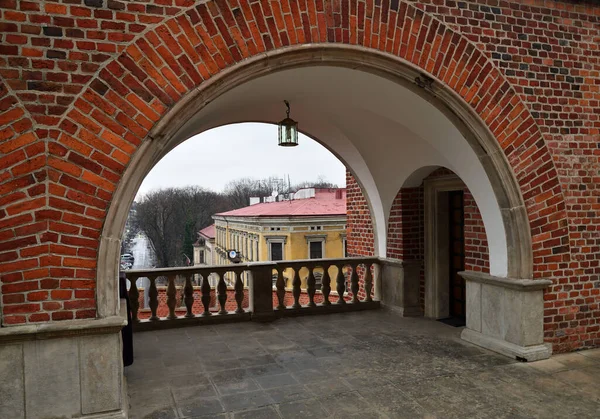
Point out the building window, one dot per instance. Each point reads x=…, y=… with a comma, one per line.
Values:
x=345, y=247
x=276, y=250
x=201, y=256
x=315, y=249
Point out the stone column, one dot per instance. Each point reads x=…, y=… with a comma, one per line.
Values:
x=400, y=286
x=72, y=368
x=506, y=315
x=261, y=291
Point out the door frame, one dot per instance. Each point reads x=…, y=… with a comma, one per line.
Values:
x=437, y=264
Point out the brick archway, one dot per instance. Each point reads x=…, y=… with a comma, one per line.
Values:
x=114, y=115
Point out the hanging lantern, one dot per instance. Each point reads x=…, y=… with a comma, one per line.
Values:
x=288, y=130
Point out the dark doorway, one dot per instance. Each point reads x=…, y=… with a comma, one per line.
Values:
x=456, y=224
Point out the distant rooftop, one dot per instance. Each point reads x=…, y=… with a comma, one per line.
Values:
x=208, y=232
x=306, y=202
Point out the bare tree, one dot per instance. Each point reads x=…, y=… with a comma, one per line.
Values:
x=171, y=217
x=241, y=190
x=321, y=182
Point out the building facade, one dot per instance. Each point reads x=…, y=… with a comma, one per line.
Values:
x=310, y=225
x=204, y=248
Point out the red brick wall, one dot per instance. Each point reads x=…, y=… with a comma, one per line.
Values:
x=477, y=253
x=360, y=236
x=406, y=225
x=83, y=81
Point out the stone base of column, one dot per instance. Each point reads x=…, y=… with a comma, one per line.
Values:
x=63, y=369
x=405, y=311
x=506, y=315
x=400, y=285
x=521, y=353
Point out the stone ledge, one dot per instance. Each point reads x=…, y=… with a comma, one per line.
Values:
x=520, y=353
x=515, y=284
x=399, y=262
x=65, y=328
x=328, y=309
x=404, y=311
x=214, y=318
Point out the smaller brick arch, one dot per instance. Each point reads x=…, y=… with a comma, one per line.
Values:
x=406, y=227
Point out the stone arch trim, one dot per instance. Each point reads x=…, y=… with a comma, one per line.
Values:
x=122, y=107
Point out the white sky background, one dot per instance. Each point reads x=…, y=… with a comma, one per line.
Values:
x=223, y=154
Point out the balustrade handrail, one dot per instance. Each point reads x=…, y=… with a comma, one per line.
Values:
x=186, y=270
x=190, y=270
x=261, y=293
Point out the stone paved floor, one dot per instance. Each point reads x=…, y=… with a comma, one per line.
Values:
x=354, y=365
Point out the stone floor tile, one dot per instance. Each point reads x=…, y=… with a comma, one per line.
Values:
x=159, y=413
x=272, y=381
x=255, y=360
x=268, y=412
x=329, y=387
x=586, y=380
x=291, y=393
x=575, y=360
x=153, y=403
x=235, y=386
x=344, y=404
x=250, y=400
x=392, y=402
x=549, y=366
x=211, y=365
x=302, y=409
x=311, y=375
x=592, y=353
x=266, y=370
x=194, y=391
x=201, y=407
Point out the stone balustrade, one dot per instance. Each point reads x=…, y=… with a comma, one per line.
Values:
x=258, y=291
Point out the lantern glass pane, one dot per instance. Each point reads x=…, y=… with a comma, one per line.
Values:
x=288, y=133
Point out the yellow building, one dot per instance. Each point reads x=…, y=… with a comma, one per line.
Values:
x=310, y=225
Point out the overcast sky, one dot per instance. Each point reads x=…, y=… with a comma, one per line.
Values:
x=220, y=155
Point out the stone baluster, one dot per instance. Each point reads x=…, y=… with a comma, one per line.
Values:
x=280, y=284
x=340, y=282
x=134, y=299
x=222, y=294
x=311, y=287
x=354, y=284
x=205, y=288
x=377, y=281
x=153, y=294
x=296, y=284
x=368, y=280
x=239, y=292
x=188, y=292
x=326, y=285
x=171, y=297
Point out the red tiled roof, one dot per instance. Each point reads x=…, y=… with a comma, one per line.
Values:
x=208, y=232
x=295, y=208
